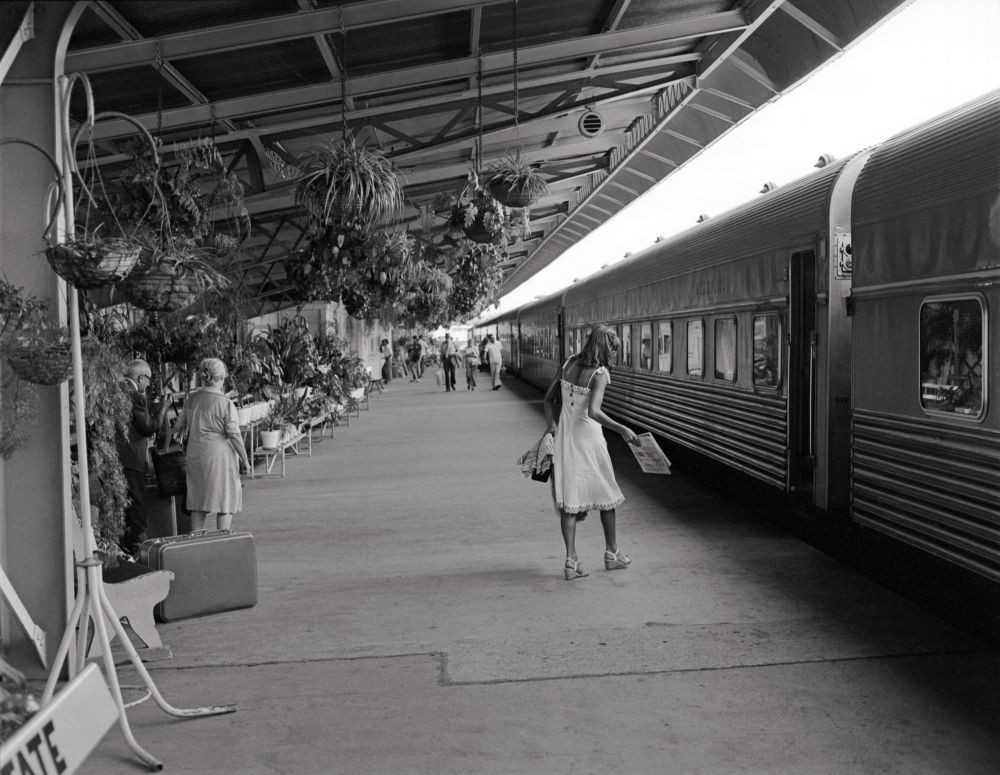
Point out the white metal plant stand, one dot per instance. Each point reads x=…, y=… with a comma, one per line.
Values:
x=91, y=597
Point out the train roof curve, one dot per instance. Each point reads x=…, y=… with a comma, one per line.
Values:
x=927, y=203
x=765, y=224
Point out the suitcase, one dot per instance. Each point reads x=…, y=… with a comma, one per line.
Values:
x=214, y=571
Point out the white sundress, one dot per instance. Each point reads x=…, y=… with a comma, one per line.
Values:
x=583, y=479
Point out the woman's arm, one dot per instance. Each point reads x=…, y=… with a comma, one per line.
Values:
x=597, y=414
x=235, y=436
x=240, y=449
x=552, y=411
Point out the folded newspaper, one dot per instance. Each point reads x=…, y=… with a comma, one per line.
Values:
x=649, y=455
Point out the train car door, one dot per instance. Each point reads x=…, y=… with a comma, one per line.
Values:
x=802, y=338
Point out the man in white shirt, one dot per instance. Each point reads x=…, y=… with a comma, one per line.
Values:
x=494, y=356
x=449, y=361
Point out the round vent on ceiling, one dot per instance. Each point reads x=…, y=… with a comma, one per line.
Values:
x=591, y=124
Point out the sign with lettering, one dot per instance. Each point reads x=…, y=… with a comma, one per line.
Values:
x=58, y=738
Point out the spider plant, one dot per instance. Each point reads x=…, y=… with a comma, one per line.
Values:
x=514, y=182
x=344, y=181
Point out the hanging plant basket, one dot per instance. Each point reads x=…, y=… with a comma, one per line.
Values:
x=165, y=286
x=41, y=364
x=519, y=196
x=93, y=263
x=478, y=233
x=514, y=182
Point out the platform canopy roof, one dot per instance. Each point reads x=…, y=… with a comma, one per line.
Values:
x=612, y=95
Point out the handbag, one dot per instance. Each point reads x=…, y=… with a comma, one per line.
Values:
x=170, y=466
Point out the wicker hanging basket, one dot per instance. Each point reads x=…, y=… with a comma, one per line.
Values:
x=89, y=264
x=518, y=196
x=164, y=287
x=43, y=365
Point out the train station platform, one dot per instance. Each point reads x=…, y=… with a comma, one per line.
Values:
x=414, y=618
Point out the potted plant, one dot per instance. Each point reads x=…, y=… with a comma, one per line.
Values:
x=17, y=414
x=271, y=426
x=343, y=182
x=15, y=308
x=109, y=413
x=514, y=182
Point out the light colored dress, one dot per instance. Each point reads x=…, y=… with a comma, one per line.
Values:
x=213, y=468
x=583, y=479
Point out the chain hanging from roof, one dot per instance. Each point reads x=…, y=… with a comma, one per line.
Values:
x=511, y=179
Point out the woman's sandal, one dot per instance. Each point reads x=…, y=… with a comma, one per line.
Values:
x=573, y=570
x=616, y=560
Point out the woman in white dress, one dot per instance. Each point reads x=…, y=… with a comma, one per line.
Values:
x=214, y=452
x=582, y=478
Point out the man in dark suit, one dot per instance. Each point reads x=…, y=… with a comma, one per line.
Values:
x=133, y=452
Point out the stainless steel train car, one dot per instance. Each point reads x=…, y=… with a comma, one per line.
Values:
x=925, y=421
x=829, y=338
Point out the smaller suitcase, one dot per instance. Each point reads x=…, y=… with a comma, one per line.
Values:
x=214, y=571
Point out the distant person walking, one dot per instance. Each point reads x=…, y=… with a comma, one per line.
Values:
x=471, y=357
x=494, y=356
x=449, y=362
x=582, y=476
x=386, y=349
x=415, y=354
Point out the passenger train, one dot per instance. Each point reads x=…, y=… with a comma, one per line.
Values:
x=831, y=338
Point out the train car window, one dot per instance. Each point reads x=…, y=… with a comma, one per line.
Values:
x=625, y=353
x=725, y=349
x=665, y=346
x=952, y=367
x=696, y=348
x=766, y=350
x=645, y=346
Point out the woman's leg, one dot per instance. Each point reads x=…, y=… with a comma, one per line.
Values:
x=568, y=524
x=608, y=523
x=224, y=522
x=613, y=559
x=198, y=520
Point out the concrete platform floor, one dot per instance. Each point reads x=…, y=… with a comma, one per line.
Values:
x=413, y=619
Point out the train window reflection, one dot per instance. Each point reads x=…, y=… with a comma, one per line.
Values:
x=665, y=346
x=725, y=349
x=625, y=353
x=952, y=335
x=696, y=348
x=645, y=346
x=766, y=350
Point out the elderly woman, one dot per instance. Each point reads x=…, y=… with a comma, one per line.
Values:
x=215, y=452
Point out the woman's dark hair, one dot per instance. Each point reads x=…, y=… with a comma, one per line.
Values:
x=601, y=343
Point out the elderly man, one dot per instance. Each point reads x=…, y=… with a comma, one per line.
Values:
x=494, y=354
x=133, y=451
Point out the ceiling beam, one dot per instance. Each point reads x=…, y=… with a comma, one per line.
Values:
x=123, y=29
x=501, y=62
x=288, y=101
x=262, y=32
x=813, y=26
